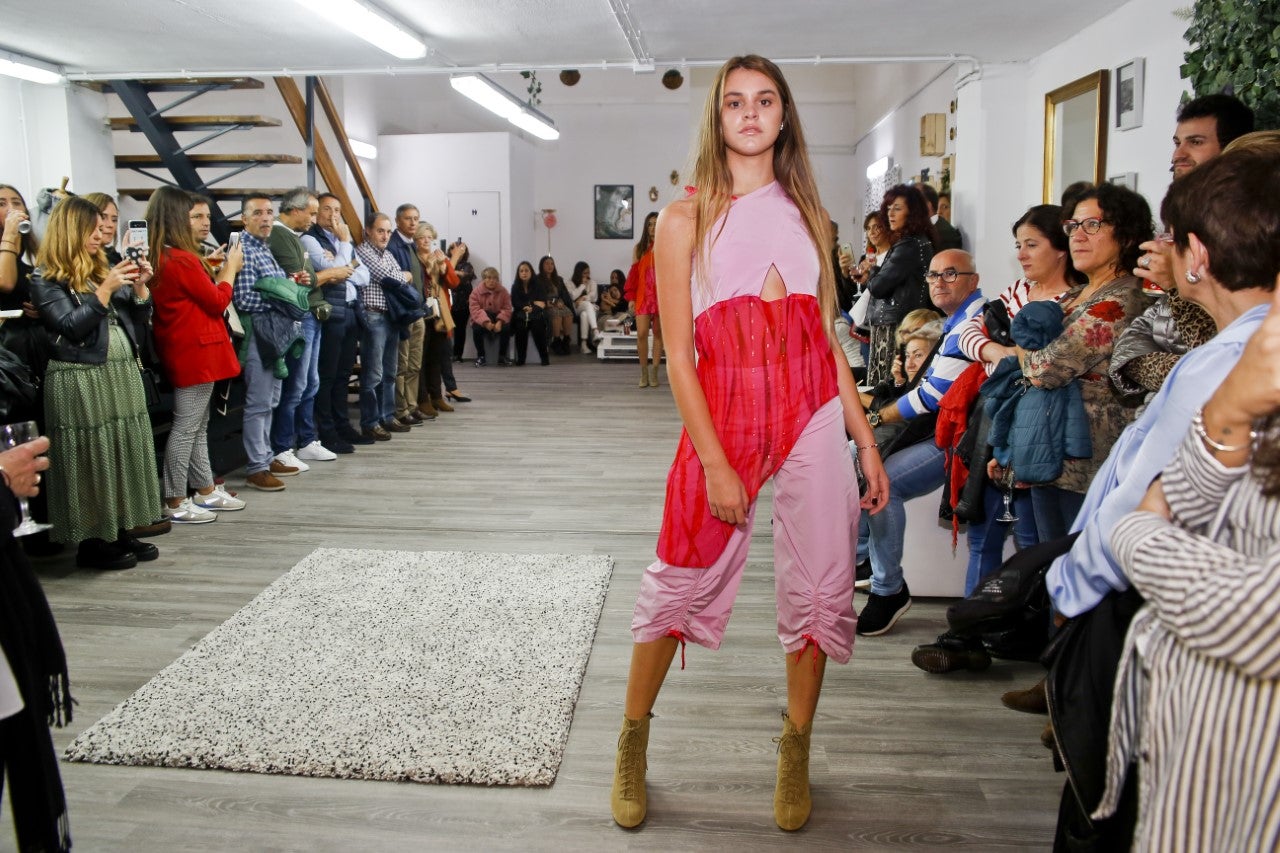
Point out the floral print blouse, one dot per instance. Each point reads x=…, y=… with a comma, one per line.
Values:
x=1082, y=353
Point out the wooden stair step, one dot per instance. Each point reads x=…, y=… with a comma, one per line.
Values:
x=125, y=161
x=183, y=84
x=198, y=122
x=217, y=193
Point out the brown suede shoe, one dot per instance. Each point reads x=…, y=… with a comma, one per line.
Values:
x=1029, y=701
x=265, y=481
x=280, y=469
x=377, y=434
x=441, y=406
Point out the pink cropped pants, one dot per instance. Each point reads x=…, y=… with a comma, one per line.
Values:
x=815, y=503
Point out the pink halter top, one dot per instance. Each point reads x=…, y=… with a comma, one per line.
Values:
x=765, y=366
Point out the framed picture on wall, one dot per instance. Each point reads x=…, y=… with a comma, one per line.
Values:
x=615, y=206
x=1129, y=94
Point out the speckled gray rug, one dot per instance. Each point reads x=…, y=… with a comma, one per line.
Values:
x=449, y=667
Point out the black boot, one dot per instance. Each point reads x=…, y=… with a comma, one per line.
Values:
x=951, y=652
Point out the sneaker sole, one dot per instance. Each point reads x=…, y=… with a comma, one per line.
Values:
x=866, y=584
x=318, y=458
x=265, y=488
x=285, y=473
x=939, y=661
x=889, y=627
x=221, y=508
x=193, y=520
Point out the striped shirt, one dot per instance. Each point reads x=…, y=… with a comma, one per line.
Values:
x=381, y=264
x=947, y=365
x=258, y=263
x=1197, y=696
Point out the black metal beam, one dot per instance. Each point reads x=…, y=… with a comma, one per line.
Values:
x=311, y=132
x=137, y=101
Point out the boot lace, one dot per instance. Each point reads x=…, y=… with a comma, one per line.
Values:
x=631, y=764
x=791, y=769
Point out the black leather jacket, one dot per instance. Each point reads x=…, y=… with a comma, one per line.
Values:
x=898, y=287
x=77, y=323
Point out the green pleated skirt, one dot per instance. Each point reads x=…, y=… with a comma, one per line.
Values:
x=102, y=460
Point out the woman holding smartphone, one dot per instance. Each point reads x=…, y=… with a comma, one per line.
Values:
x=102, y=457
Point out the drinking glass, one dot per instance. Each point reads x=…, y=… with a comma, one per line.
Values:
x=11, y=435
x=1005, y=485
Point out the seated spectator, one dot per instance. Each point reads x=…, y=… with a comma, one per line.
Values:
x=491, y=316
x=583, y=293
x=919, y=469
x=612, y=304
x=1108, y=224
x=195, y=352
x=559, y=306
x=922, y=326
x=102, y=457
x=529, y=303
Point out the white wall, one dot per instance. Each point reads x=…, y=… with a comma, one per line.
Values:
x=54, y=131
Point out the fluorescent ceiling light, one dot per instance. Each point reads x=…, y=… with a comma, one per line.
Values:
x=363, y=149
x=25, y=68
x=502, y=103
x=373, y=26
x=879, y=168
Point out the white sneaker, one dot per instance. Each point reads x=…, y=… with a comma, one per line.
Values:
x=290, y=459
x=316, y=452
x=188, y=513
x=219, y=500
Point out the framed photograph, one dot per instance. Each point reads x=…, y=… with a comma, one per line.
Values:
x=1129, y=94
x=1129, y=180
x=615, y=206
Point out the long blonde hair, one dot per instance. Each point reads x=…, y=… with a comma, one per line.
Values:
x=791, y=168
x=62, y=254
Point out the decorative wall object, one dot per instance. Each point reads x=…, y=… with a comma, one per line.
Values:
x=675, y=177
x=1128, y=180
x=570, y=76
x=1129, y=83
x=673, y=79
x=534, y=89
x=615, y=212
x=653, y=193
x=1075, y=133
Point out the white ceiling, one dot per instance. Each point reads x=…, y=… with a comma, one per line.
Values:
x=151, y=37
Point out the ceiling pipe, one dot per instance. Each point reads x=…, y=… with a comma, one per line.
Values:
x=494, y=68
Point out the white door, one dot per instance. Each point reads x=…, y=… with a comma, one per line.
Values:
x=474, y=218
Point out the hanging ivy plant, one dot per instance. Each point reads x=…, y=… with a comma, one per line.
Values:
x=1235, y=46
x=535, y=88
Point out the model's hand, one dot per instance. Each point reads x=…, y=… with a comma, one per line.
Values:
x=877, y=496
x=726, y=495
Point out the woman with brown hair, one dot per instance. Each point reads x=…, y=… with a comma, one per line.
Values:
x=748, y=293
x=897, y=286
x=642, y=292
x=195, y=352
x=102, y=478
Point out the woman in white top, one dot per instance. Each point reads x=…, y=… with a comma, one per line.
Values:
x=585, y=294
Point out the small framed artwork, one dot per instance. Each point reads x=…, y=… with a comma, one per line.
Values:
x=1128, y=180
x=1129, y=94
x=615, y=206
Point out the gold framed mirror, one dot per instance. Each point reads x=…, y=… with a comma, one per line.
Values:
x=1075, y=134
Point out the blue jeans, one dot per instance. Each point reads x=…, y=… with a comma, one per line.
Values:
x=913, y=472
x=295, y=419
x=261, y=395
x=379, y=352
x=986, y=540
x=1055, y=511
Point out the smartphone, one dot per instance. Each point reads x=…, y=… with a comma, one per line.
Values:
x=134, y=246
x=442, y=246
x=233, y=240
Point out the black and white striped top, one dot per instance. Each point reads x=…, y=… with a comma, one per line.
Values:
x=1196, y=697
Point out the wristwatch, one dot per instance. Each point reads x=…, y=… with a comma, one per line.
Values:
x=873, y=418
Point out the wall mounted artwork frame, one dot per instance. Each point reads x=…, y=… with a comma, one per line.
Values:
x=614, y=207
x=1129, y=88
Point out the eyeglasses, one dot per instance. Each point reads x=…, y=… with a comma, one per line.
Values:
x=1090, y=226
x=949, y=275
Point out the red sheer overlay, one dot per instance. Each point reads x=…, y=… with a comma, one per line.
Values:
x=765, y=368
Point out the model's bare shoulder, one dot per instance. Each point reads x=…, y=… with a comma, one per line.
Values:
x=676, y=221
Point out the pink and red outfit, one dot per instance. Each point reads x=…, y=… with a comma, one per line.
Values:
x=769, y=376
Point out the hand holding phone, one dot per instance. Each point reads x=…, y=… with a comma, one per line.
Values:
x=135, y=246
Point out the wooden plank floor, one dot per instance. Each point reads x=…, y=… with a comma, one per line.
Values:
x=568, y=458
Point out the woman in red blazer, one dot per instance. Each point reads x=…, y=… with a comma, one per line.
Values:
x=195, y=351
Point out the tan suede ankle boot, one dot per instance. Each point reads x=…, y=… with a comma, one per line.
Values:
x=439, y=404
x=629, y=800
x=791, y=800
x=644, y=377
x=653, y=376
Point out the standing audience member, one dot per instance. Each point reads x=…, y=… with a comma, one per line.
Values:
x=897, y=286
x=461, y=302
x=948, y=236
x=439, y=277
x=24, y=336
x=262, y=386
x=329, y=247
x=379, y=348
x=195, y=352
x=411, y=347
x=102, y=476
x=642, y=292
x=584, y=295
x=490, y=315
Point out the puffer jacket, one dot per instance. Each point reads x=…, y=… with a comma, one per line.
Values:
x=898, y=286
x=1035, y=429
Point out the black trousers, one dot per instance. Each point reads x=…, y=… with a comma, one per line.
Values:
x=540, y=328
x=479, y=334
x=338, y=339
x=460, y=319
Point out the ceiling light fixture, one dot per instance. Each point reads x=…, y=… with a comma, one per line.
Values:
x=502, y=103
x=26, y=68
x=362, y=149
x=372, y=25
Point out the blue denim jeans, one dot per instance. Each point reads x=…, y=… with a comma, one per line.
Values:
x=913, y=472
x=986, y=540
x=261, y=396
x=379, y=351
x=1055, y=511
x=295, y=420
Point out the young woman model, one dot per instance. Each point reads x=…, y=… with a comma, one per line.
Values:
x=642, y=291
x=745, y=283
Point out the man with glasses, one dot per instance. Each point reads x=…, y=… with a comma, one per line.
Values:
x=920, y=468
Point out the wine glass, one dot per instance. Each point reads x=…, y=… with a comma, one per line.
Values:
x=1005, y=485
x=11, y=435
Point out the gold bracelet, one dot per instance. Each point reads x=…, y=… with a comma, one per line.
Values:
x=1197, y=423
